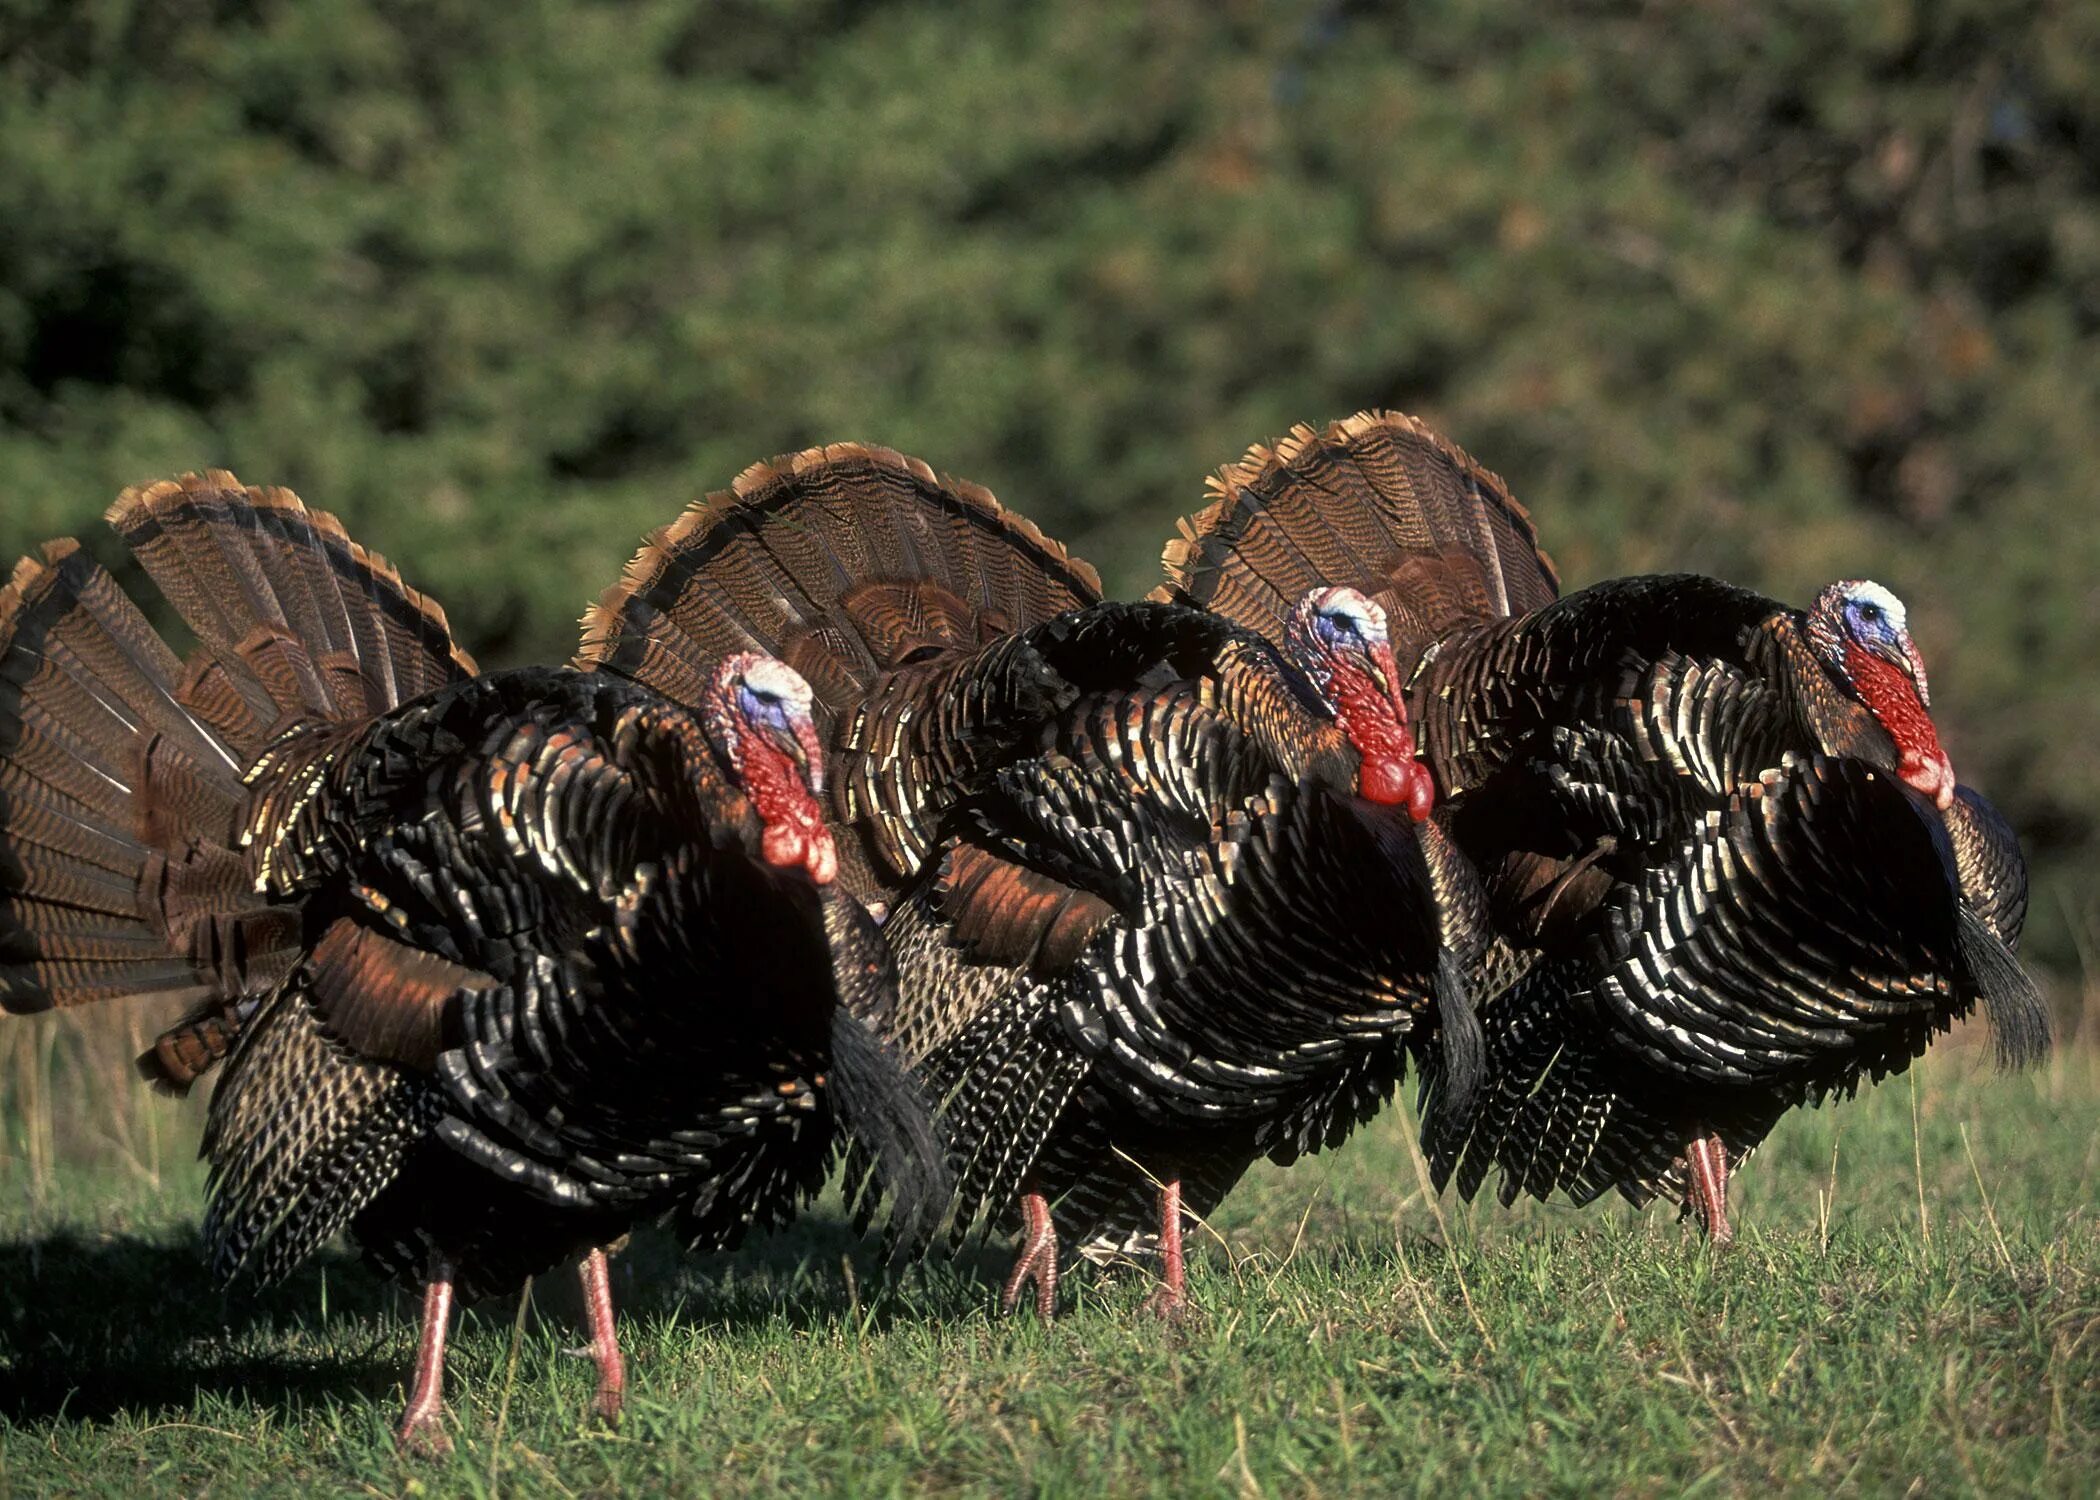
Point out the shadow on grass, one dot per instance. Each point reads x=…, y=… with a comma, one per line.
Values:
x=818, y=1273
x=93, y=1325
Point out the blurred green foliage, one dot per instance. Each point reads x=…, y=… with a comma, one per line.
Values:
x=1780, y=292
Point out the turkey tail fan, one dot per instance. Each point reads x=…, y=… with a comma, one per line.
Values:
x=886, y=1114
x=2019, y=1016
x=1378, y=502
x=297, y=622
x=123, y=795
x=97, y=758
x=844, y=562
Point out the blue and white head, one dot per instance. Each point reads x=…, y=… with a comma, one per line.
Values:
x=1337, y=637
x=1861, y=632
x=758, y=712
x=1858, y=612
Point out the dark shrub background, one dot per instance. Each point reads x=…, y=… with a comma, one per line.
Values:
x=1782, y=292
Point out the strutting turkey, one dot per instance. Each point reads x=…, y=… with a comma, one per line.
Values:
x=1156, y=891
x=1730, y=869
x=504, y=964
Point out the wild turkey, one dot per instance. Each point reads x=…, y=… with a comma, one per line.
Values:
x=1156, y=897
x=505, y=964
x=1730, y=869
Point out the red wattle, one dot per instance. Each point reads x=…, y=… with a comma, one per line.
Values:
x=794, y=824
x=1933, y=777
x=1387, y=782
x=783, y=845
x=1421, y=797
x=823, y=860
x=1892, y=697
x=1377, y=726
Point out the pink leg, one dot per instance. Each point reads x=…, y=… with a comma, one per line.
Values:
x=605, y=1344
x=422, y=1429
x=1706, y=1186
x=1037, y=1259
x=1170, y=1299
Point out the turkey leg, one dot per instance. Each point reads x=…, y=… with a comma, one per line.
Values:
x=1706, y=1186
x=1170, y=1299
x=1037, y=1258
x=422, y=1429
x=605, y=1344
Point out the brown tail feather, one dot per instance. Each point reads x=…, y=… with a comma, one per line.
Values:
x=86, y=691
x=123, y=802
x=1378, y=502
x=844, y=562
x=298, y=622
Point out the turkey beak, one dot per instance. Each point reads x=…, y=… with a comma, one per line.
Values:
x=1385, y=676
x=1902, y=654
x=797, y=740
x=1914, y=664
x=807, y=753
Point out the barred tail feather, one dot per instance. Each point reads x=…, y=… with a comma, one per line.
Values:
x=90, y=908
x=1378, y=502
x=844, y=562
x=303, y=623
x=123, y=803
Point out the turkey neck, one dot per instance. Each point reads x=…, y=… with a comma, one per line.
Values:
x=1274, y=706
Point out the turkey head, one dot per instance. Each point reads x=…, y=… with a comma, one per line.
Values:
x=1337, y=637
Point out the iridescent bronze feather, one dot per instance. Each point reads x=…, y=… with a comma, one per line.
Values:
x=500, y=965
x=1728, y=867
x=1121, y=845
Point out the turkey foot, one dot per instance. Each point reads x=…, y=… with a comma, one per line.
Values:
x=1169, y=1301
x=1706, y=1186
x=605, y=1343
x=422, y=1429
x=1037, y=1259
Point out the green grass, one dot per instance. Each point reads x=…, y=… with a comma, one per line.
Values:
x=1349, y=1340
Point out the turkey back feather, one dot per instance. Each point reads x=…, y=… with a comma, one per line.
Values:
x=126, y=809
x=1377, y=502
